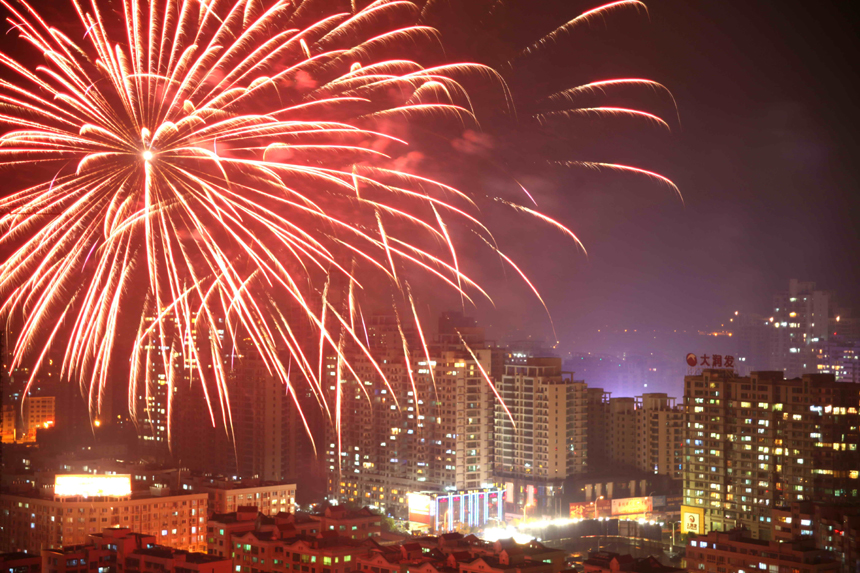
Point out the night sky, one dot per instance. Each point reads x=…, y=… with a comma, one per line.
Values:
x=764, y=159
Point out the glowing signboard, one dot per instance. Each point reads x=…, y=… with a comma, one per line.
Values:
x=86, y=485
x=583, y=510
x=447, y=511
x=420, y=508
x=692, y=519
x=631, y=505
x=697, y=363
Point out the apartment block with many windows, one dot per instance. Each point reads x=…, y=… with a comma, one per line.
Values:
x=736, y=552
x=759, y=442
x=540, y=432
x=409, y=423
x=32, y=523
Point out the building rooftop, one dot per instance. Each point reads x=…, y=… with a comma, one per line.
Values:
x=229, y=518
x=162, y=552
x=720, y=540
x=194, y=557
x=157, y=551
x=136, y=495
x=15, y=555
x=497, y=563
x=226, y=483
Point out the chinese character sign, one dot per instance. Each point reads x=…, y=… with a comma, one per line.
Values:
x=711, y=361
x=692, y=519
x=691, y=522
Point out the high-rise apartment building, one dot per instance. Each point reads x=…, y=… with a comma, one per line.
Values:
x=7, y=423
x=840, y=357
x=24, y=415
x=758, y=442
x=163, y=370
x=263, y=437
x=644, y=432
x=39, y=412
x=844, y=324
x=752, y=333
x=266, y=427
x=621, y=427
x=540, y=439
x=251, y=430
x=659, y=435
x=800, y=317
x=20, y=424
x=805, y=331
x=420, y=431
x=597, y=410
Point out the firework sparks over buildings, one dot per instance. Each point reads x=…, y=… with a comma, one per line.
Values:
x=227, y=167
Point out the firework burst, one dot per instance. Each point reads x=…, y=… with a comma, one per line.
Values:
x=204, y=170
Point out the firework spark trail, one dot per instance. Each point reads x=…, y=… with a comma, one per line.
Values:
x=525, y=278
x=598, y=111
x=569, y=95
x=624, y=168
x=215, y=167
x=583, y=18
x=420, y=330
x=487, y=379
x=547, y=219
x=407, y=358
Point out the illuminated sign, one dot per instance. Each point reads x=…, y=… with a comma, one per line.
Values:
x=631, y=505
x=448, y=511
x=583, y=510
x=420, y=508
x=710, y=361
x=92, y=485
x=691, y=519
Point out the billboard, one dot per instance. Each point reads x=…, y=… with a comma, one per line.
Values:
x=631, y=506
x=692, y=520
x=582, y=510
x=420, y=508
x=604, y=507
x=450, y=510
x=87, y=485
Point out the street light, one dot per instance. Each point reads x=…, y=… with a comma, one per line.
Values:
x=525, y=507
x=595, y=506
